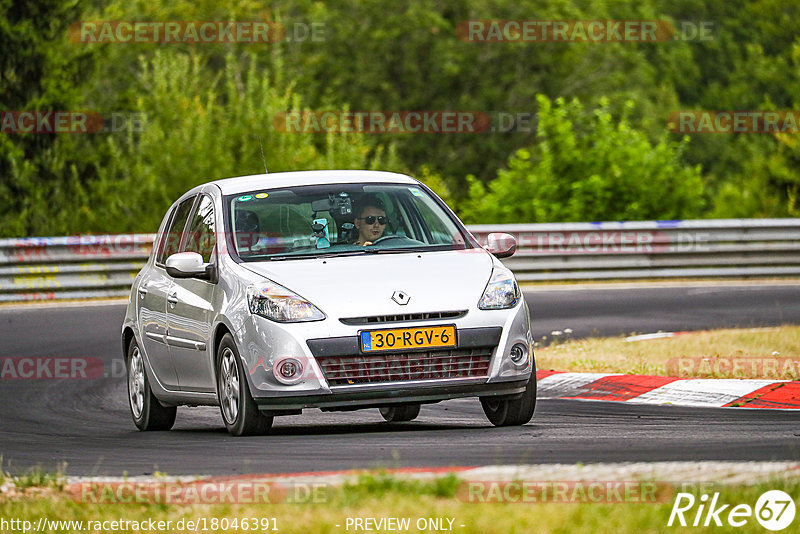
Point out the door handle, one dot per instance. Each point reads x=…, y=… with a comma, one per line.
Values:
x=142, y=292
x=173, y=300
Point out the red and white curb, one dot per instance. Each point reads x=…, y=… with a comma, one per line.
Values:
x=641, y=389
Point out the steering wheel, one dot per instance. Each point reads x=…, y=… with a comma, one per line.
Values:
x=387, y=238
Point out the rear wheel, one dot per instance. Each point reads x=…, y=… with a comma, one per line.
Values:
x=239, y=411
x=514, y=412
x=147, y=412
x=402, y=412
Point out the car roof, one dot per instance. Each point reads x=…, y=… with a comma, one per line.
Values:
x=243, y=184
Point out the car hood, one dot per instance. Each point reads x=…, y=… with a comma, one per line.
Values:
x=354, y=286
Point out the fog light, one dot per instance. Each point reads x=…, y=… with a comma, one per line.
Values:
x=288, y=371
x=519, y=355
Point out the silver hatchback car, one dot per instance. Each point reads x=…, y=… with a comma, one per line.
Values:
x=337, y=290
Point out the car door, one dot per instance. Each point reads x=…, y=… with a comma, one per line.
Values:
x=190, y=307
x=152, y=293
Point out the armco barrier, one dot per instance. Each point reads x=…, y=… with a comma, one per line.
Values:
x=717, y=248
x=105, y=265
x=49, y=268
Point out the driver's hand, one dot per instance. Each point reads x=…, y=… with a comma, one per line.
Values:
x=366, y=243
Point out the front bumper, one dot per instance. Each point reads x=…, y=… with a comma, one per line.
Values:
x=487, y=334
x=393, y=393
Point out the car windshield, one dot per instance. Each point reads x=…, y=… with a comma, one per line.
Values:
x=338, y=219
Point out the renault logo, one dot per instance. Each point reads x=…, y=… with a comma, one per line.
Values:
x=401, y=297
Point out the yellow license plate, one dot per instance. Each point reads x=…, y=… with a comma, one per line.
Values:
x=408, y=338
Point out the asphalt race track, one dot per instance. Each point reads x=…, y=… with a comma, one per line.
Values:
x=86, y=423
x=610, y=312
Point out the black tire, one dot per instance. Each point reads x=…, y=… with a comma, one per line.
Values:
x=401, y=412
x=514, y=412
x=239, y=411
x=146, y=410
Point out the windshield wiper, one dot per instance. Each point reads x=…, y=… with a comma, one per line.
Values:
x=311, y=255
x=359, y=252
x=427, y=248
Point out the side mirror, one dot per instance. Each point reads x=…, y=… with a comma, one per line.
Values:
x=189, y=265
x=501, y=245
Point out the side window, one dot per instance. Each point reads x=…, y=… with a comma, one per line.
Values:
x=201, y=236
x=398, y=218
x=442, y=230
x=171, y=241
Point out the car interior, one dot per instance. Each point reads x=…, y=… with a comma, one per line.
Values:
x=309, y=219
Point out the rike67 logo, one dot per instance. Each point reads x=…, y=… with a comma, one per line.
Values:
x=774, y=510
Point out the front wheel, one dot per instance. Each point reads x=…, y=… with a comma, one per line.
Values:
x=512, y=412
x=239, y=411
x=404, y=412
x=147, y=412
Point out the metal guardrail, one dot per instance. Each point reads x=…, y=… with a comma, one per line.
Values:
x=51, y=268
x=87, y=266
x=722, y=248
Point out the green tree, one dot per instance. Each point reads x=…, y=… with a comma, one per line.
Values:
x=388, y=55
x=751, y=62
x=41, y=71
x=408, y=56
x=197, y=130
x=587, y=166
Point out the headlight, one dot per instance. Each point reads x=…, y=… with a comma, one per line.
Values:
x=501, y=292
x=277, y=303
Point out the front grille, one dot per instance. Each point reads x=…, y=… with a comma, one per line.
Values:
x=437, y=364
x=378, y=319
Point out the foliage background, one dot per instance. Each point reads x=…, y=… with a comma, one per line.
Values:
x=601, y=150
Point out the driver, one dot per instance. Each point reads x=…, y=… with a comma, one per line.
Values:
x=370, y=221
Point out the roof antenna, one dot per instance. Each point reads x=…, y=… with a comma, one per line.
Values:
x=262, y=155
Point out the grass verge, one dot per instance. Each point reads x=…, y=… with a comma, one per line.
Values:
x=35, y=477
x=730, y=353
x=379, y=496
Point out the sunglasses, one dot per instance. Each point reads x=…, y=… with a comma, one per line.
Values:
x=371, y=219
